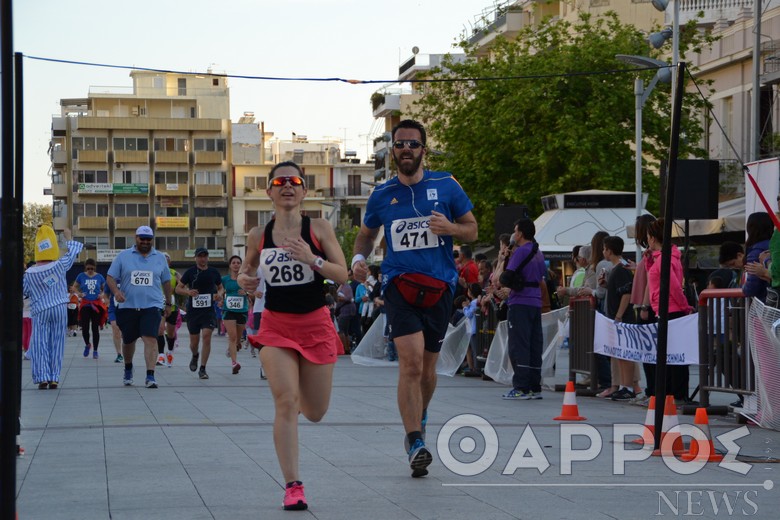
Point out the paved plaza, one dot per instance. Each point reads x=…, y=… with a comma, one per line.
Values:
x=202, y=449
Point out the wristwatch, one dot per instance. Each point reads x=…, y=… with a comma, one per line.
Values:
x=318, y=263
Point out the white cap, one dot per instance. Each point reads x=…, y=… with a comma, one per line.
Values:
x=144, y=231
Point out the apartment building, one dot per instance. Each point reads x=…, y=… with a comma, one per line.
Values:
x=155, y=154
x=337, y=188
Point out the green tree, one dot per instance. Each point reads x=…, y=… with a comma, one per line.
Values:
x=346, y=237
x=34, y=215
x=566, y=124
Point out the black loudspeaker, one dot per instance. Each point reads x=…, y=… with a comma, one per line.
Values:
x=696, y=190
x=506, y=215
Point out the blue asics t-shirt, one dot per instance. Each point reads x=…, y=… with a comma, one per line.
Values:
x=405, y=212
x=91, y=286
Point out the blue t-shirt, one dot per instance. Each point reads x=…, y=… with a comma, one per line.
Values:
x=141, y=278
x=405, y=213
x=90, y=285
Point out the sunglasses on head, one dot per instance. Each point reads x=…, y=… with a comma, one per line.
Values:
x=413, y=144
x=292, y=179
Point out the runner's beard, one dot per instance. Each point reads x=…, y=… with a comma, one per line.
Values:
x=144, y=247
x=406, y=169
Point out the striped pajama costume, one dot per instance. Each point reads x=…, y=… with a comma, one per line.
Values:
x=47, y=288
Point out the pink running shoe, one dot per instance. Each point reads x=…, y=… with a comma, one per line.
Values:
x=293, y=497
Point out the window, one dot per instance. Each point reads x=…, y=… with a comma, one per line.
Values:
x=123, y=242
x=157, y=82
x=93, y=242
x=354, y=186
x=211, y=212
x=182, y=84
x=90, y=176
x=131, y=210
x=89, y=143
x=171, y=144
x=310, y=184
x=59, y=209
x=210, y=145
x=131, y=143
x=210, y=242
x=89, y=210
x=215, y=82
x=172, y=243
x=210, y=178
x=131, y=177
x=166, y=177
x=256, y=183
x=167, y=211
x=256, y=219
x=57, y=178
x=192, y=113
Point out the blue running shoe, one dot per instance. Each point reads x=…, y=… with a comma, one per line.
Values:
x=422, y=430
x=419, y=459
x=87, y=349
x=517, y=395
x=150, y=382
x=128, y=379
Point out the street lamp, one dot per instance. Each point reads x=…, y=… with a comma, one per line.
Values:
x=659, y=38
x=664, y=76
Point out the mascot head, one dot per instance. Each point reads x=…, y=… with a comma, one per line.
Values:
x=46, y=247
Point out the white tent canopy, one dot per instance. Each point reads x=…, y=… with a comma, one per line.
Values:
x=731, y=217
x=573, y=218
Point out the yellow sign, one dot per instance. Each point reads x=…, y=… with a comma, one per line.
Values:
x=173, y=222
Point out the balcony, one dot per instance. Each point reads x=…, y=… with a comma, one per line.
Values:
x=131, y=156
x=59, y=190
x=148, y=123
x=59, y=126
x=130, y=222
x=385, y=104
x=503, y=20
x=209, y=157
x=171, y=157
x=343, y=192
x=713, y=10
x=209, y=190
x=60, y=223
x=171, y=190
x=59, y=157
x=212, y=223
x=95, y=156
x=93, y=223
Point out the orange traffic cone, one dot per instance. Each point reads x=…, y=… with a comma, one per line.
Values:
x=649, y=431
x=570, y=411
x=670, y=421
x=702, y=450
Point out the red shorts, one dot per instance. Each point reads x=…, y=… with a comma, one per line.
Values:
x=312, y=335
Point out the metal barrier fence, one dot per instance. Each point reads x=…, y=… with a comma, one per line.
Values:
x=582, y=360
x=725, y=363
x=486, y=330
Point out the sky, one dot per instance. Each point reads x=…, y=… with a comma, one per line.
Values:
x=354, y=39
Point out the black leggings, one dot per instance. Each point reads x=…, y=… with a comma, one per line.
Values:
x=90, y=317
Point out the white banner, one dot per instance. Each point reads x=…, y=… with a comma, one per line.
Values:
x=107, y=255
x=638, y=342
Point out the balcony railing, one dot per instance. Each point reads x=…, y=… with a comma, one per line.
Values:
x=171, y=157
x=202, y=223
x=171, y=190
x=130, y=222
x=343, y=191
x=209, y=190
x=209, y=157
x=96, y=156
x=59, y=190
x=93, y=223
x=388, y=104
x=712, y=9
x=131, y=156
x=59, y=157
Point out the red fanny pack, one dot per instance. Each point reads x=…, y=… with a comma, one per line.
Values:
x=420, y=290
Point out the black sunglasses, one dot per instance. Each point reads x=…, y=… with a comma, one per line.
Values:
x=413, y=144
x=292, y=179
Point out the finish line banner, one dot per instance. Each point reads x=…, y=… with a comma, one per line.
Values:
x=638, y=342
